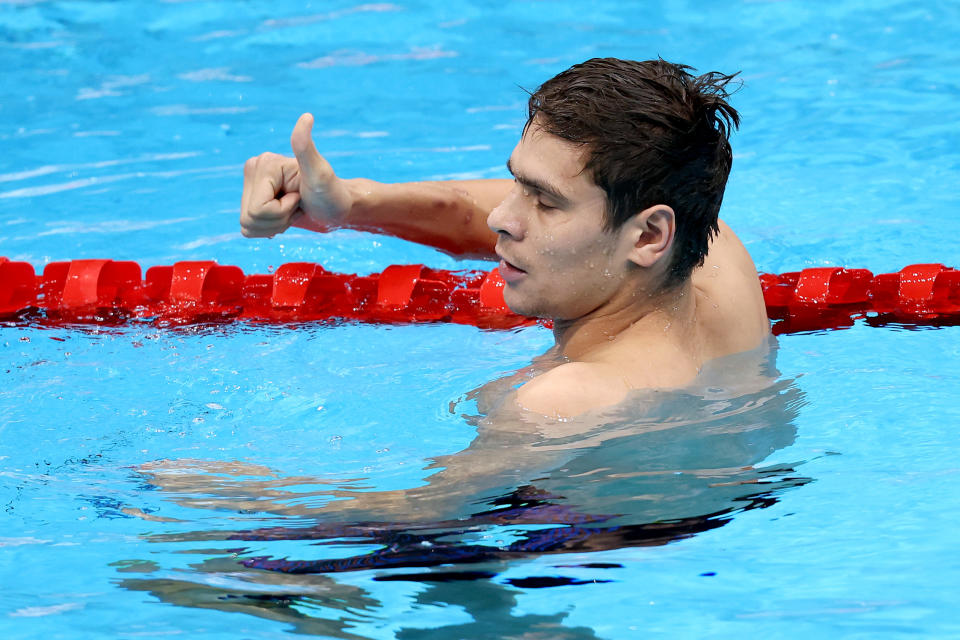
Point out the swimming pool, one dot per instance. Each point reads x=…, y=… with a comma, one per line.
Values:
x=123, y=128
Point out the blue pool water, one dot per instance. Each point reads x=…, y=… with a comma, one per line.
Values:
x=824, y=506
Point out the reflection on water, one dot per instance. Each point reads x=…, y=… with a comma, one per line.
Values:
x=318, y=605
x=660, y=468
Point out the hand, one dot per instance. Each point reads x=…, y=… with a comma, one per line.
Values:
x=279, y=191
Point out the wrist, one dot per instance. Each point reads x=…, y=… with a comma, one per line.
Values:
x=359, y=190
x=365, y=198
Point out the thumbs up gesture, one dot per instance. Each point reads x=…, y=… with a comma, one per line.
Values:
x=279, y=191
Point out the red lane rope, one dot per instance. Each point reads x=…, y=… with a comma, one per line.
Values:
x=113, y=292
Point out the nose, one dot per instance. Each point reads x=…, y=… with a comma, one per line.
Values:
x=506, y=218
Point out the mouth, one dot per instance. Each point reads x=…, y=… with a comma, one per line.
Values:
x=508, y=271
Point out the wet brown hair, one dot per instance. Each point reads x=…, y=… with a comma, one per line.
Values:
x=655, y=134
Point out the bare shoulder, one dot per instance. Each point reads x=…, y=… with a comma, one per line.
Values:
x=727, y=261
x=572, y=389
x=732, y=310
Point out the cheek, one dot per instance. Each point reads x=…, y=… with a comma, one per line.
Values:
x=573, y=272
x=586, y=260
x=578, y=284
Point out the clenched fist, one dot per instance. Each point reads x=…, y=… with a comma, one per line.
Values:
x=279, y=191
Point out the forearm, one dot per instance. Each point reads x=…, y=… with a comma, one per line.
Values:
x=451, y=216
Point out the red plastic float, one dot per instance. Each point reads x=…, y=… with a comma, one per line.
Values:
x=111, y=292
x=18, y=287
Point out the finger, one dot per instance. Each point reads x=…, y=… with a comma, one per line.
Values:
x=268, y=182
x=252, y=232
x=260, y=183
x=262, y=228
x=288, y=204
x=311, y=162
x=273, y=218
x=292, y=221
x=249, y=170
x=256, y=228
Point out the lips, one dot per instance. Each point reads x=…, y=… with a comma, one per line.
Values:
x=509, y=271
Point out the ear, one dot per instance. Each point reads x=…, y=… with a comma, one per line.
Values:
x=650, y=235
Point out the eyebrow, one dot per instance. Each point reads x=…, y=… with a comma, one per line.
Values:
x=540, y=185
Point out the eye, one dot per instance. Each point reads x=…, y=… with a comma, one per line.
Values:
x=543, y=206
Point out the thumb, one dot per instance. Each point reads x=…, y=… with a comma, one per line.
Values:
x=310, y=161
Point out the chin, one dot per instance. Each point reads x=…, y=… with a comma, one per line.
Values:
x=520, y=305
x=551, y=305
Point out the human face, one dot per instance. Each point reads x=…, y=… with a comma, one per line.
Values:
x=555, y=256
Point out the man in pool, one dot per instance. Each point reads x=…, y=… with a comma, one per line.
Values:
x=609, y=228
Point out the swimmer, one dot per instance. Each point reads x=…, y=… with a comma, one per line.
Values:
x=609, y=228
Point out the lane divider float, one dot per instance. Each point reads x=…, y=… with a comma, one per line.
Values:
x=201, y=292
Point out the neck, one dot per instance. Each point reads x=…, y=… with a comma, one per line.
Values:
x=633, y=313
